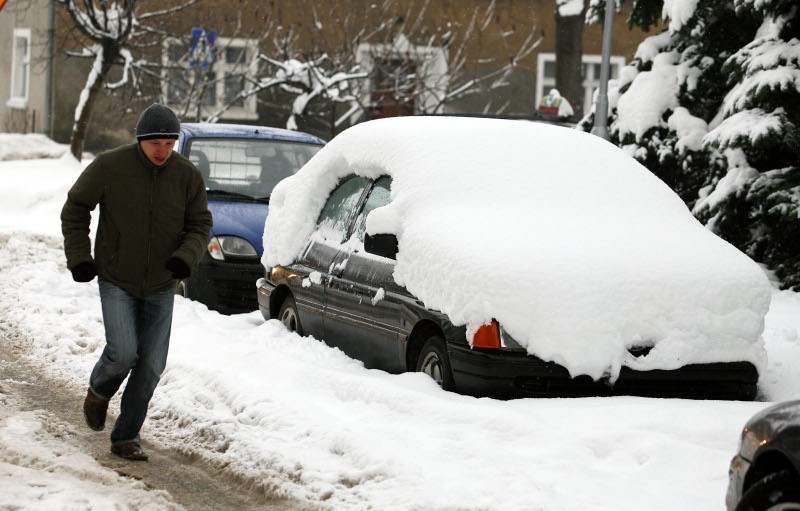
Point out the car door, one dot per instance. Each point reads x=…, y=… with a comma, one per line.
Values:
x=362, y=312
x=312, y=269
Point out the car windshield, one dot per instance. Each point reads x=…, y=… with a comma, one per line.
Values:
x=248, y=168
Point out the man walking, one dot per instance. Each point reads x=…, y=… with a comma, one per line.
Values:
x=153, y=229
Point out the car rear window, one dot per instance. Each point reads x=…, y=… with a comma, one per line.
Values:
x=248, y=166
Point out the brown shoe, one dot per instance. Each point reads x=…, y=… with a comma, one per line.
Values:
x=129, y=451
x=94, y=410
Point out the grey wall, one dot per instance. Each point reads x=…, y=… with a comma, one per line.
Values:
x=34, y=15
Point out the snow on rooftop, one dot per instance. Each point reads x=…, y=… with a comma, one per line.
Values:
x=573, y=246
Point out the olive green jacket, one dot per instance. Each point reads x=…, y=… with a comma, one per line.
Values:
x=147, y=215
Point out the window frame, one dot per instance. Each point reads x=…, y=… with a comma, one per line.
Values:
x=20, y=64
x=589, y=81
x=430, y=64
x=353, y=233
x=221, y=70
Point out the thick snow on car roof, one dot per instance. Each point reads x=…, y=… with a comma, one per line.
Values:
x=574, y=247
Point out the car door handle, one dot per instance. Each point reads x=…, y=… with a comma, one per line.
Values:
x=337, y=269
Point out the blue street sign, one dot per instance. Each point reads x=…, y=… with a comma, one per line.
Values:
x=203, y=51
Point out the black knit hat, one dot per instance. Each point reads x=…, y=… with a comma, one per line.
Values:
x=157, y=121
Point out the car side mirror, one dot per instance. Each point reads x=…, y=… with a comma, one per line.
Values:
x=384, y=245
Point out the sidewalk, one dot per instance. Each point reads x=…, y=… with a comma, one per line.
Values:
x=49, y=458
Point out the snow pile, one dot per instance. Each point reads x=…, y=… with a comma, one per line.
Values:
x=18, y=146
x=574, y=247
x=35, y=191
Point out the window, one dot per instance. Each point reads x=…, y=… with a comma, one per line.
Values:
x=234, y=83
x=404, y=78
x=335, y=216
x=546, y=75
x=378, y=197
x=209, y=88
x=20, y=68
x=248, y=166
x=394, y=86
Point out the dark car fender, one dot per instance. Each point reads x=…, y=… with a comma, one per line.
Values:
x=782, y=452
x=423, y=324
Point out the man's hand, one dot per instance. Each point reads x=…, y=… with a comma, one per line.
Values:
x=179, y=269
x=84, y=272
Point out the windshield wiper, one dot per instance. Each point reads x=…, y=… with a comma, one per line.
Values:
x=230, y=194
x=237, y=195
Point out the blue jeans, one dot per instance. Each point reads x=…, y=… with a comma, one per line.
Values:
x=137, y=342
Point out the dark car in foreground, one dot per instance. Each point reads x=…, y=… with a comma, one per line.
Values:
x=241, y=165
x=765, y=473
x=435, y=205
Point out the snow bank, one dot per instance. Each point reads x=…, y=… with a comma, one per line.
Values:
x=574, y=247
x=20, y=146
x=35, y=191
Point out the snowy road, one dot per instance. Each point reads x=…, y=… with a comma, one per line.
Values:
x=289, y=415
x=52, y=459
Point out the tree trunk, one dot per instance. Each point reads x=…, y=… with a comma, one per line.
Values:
x=569, y=55
x=94, y=84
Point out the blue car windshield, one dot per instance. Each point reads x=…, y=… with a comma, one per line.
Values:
x=247, y=167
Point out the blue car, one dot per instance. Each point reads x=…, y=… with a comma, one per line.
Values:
x=240, y=165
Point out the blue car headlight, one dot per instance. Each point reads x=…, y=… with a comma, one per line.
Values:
x=221, y=247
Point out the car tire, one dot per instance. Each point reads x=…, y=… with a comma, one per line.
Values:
x=288, y=315
x=181, y=289
x=434, y=362
x=779, y=491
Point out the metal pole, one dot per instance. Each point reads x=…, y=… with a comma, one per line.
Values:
x=200, y=91
x=600, y=127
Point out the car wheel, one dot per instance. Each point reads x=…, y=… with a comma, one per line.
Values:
x=433, y=361
x=181, y=289
x=288, y=315
x=779, y=491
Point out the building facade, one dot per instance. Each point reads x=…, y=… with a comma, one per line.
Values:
x=25, y=60
x=414, y=57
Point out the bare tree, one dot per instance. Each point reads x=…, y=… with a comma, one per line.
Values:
x=402, y=59
x=111, y=33
x=306, y=81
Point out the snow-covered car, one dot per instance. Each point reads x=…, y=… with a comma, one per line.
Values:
x=241, y=165
x=510, y=258
x=765, y=473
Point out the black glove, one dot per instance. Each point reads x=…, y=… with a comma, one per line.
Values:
x=179, y=269
x=84, y=272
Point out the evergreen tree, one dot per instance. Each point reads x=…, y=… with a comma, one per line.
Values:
x=712, y=106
